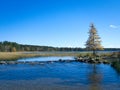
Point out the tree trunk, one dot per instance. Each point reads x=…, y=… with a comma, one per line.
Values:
x=94, y=54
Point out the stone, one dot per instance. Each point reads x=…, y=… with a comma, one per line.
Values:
x=3, y=62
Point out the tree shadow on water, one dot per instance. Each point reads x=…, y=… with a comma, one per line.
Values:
x=95, y=79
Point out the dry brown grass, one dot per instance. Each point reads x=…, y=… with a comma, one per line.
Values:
x=19, y=55
x=15, y=55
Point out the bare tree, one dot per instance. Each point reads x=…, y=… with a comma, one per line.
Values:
x=93, y=43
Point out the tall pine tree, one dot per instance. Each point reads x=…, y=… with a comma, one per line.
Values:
x=93, y=43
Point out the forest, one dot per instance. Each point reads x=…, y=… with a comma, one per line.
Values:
x=7, y=46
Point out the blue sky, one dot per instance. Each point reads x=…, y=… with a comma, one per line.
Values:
x=59, y=23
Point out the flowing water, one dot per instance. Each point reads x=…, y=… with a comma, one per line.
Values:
x=51, y=58
x=58, y=76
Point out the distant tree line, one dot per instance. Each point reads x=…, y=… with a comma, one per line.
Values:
x=7, y=46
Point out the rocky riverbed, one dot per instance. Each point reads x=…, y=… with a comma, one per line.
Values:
x=34, y=62
x=92, y=60
x=60, y=60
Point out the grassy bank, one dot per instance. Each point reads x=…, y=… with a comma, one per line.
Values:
x=106, y=58
x=116, y=65
x=19, y=55
x=15, y=55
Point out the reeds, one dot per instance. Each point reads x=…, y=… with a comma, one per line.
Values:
x=19, y=55
x=14, y=55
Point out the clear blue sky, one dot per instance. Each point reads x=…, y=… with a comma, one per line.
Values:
x=59, y=23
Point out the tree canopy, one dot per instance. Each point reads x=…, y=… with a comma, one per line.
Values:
x=93, y=43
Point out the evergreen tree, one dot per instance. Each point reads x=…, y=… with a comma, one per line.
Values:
x=93, y=43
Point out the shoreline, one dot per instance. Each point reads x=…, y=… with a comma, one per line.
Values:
x=80, y=57
x=13, y=56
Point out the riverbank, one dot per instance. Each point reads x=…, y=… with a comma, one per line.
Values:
x=80, y=56
x=6, y=56
x=106, y=58
x=116, y=65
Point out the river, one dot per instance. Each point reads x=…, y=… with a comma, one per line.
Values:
x=58, y=76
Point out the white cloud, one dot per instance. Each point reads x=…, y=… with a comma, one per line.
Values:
x=114, y=26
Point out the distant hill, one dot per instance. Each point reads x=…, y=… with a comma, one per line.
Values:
x=7, y=46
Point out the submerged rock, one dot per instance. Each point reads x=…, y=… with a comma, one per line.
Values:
x=92, y=60
x=12, y=62
x=3, y=62
x=50, y=61
x=106, y=62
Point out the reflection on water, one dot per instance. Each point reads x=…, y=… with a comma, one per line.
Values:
x=95, y=78
x=52, y=58
x=59, y=76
